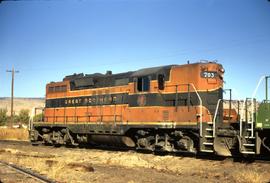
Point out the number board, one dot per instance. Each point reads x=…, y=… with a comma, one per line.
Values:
x=208, y=74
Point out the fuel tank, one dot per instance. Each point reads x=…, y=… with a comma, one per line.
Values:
x=114, y=140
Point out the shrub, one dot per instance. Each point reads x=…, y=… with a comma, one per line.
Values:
x=3, y=116
x=38, y=117
x=23, y=116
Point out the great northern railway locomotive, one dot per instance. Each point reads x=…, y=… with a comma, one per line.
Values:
x=174, y=108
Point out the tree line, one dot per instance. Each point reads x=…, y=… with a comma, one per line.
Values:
x=21, y=118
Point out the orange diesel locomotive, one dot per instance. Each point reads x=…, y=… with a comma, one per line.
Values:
x=170, y=108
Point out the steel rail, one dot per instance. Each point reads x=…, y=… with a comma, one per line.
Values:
x=27, y=172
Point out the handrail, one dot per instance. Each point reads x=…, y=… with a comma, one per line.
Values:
x=31, y=119
x=114, y=117
x=247, y=117
x=215, y=116
x=242, y=117
x=32, y=115
x=86, y=116
x=253, y=96
x=241, y=128
x=252, y=116
x=257, y=87
x=252, y=103
x=200, y=99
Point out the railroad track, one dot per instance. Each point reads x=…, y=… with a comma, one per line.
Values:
x=14, y=142
x=13, y=173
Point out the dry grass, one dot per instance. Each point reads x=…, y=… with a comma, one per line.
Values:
x=248, y=176
x=83, y=165
x=13, y=134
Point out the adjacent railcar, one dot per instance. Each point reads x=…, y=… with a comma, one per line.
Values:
x=262, y=119
x=170, y=108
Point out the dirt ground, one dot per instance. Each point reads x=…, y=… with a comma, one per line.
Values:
x=96, y=165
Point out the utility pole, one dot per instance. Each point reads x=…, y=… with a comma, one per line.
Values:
x=266, y=87
x=12, y=94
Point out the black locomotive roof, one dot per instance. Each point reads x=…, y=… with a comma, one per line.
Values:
x=97, y=80
x=150, y=71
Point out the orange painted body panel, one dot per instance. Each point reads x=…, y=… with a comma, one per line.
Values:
x=125, y=114
x=180, y=76
x=191, y=74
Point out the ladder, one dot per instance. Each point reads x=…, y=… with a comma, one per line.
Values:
x=247, y=138
x=209, y=133
x=250, y=143
x=207, y=140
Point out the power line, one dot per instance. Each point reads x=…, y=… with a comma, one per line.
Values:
x=12, y=94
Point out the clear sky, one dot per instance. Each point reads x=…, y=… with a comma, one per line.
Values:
x=46, y=40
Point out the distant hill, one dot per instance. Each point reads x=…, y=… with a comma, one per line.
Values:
x=21, y=103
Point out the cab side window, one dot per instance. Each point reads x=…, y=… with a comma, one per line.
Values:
x=161, y=82
x=143, y=84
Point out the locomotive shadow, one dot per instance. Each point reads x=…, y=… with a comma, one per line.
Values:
x=157, y=153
